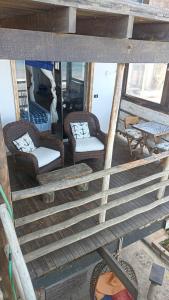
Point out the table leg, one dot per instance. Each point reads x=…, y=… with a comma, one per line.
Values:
x=161, y=191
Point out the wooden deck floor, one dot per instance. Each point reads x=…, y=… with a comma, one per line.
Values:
x=57, y=259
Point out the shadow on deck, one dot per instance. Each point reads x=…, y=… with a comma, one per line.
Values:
x=61, y=257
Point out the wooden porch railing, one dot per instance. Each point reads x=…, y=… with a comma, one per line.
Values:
x=26, y=193
x=20, y=270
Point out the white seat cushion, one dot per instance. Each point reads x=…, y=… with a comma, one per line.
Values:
x=134, y=133
x=89, y=144
x=45, y=155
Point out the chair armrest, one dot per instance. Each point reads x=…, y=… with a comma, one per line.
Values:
x=102, y=137
x=72, y=141
x=50, y=141
x=27, y=159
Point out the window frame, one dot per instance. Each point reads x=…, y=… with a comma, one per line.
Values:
x=162, y=106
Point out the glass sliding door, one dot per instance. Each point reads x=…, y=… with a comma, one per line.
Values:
x=72, y=81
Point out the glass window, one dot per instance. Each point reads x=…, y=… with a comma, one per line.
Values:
x=22, y=88
x=78, y=70
x=146, y=81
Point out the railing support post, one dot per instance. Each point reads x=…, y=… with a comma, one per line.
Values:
x=4, y=181
x=16, y=253
x=161, y=191
x=112, y=133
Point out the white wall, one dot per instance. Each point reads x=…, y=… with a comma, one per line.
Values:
x=103, y=85
x=7, y=104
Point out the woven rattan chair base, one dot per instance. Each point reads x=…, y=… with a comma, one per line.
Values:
x=102, y=267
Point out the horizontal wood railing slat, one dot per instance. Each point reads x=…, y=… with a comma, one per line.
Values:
x=83, y=216
x=64, y=184
x=53, y=210
x=91, y=231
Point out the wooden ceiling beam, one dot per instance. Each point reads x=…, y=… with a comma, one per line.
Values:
x=22, y=44
x=60, y=20
x=109, y=27
x=121, y=7
x=151, y=31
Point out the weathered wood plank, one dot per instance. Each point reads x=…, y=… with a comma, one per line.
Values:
x=74, y=171
x=90, y=231
x=72, y=204
x=22, y=44
x=115, y=7
x=60, y=20
x=63, y=184
x=107, y=26
x=144, y=113
x=83, y=216
x=16, y=253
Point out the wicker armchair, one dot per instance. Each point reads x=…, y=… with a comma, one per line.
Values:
x=28, y=161
x=94, y=128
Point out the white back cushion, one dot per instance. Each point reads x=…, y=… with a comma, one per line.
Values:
x=80, y=130
x=25, y=143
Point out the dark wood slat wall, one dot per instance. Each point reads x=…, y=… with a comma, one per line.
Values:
x=60, y=20
x=151, y=31
x=118, y=27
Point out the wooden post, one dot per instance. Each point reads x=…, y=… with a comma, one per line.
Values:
x=17, y=254
x=112, y=132
x=161, y=191
x=89, y=87
x=4, y=181
x=1, y=295
x=15, y=89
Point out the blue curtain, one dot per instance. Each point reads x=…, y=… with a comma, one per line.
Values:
x=47, y=65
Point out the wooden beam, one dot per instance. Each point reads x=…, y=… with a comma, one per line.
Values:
x=121, y=27
x=112, y=133
x=64, y=184
x=92, y=230
x=60, y=20
x=4, y=181
x=151, y=31
x=117, y=269
x=15, y=89
x=89, y=87
x=21, y=44
x=121, y=7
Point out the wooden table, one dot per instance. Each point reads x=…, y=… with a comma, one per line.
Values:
x=71, y=172
x=152, y=129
